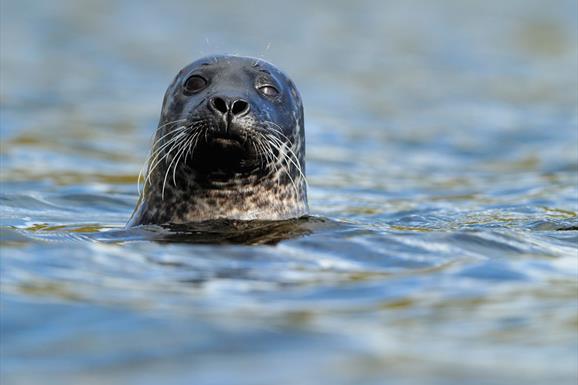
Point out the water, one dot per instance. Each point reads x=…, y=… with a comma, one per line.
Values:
x=443, y=169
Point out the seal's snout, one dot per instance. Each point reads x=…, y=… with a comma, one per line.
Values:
x=229, y=107
x=227, y=112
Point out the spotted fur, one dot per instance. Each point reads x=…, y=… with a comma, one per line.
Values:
x=181, y=182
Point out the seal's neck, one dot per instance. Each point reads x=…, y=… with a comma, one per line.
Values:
x=268, y=199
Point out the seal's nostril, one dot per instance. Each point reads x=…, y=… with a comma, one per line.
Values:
x=239, y=107
x=219, y=104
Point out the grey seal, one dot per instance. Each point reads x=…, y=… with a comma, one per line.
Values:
x=230, y=144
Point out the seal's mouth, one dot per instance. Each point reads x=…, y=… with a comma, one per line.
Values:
x=224, y=154
x=226, y=141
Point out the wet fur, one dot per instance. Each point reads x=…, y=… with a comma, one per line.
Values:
x=191, y=176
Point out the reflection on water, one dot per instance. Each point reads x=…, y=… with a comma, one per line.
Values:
x=217, y=232
x=443, y=170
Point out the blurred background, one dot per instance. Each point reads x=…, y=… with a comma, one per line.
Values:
x=442, y=146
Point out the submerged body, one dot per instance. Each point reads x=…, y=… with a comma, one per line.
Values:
x=230, y=144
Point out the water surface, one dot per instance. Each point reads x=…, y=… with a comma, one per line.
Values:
x=442, y=246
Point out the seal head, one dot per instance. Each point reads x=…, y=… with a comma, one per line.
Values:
x=230, y=144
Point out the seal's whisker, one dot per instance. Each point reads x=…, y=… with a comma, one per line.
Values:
x=287, y=157
x=179, y=155
x=258, y=153
x=173, y=146
x=177, y=147
x=258, y=148
x=283, y=159
x=158, y=151
x=182, y=147
x=266, y=156
x=193, y=143
x=292, y=157
x=148, y=160
x=272, y=126
x=160, y=127
x=170, y=122
x=267, y=152
x=179, y=130
x=171, y=132
x=292, y=153
x=157, y=160
x=190, y=127
x=202, y=132
x=286, y=169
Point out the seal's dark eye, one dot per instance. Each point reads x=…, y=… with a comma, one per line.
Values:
x=195, y=83
x=269, y=91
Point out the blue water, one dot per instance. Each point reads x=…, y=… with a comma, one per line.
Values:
x=442, y=246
